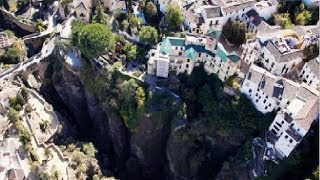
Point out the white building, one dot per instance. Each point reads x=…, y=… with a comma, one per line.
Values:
x=279, y=57
x=83, y=9
x=252, y=20
x=267, y=91
x=201, y=16
x=266, y=8
x=310, y=72
x=179, y=55
x=292, y=123
x=296, y=105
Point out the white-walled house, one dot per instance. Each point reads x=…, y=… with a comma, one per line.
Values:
x=252, y=20
x=200, y=16
x=292, y=123
x=267, y=91
x=179, y=55
x=297, y=106
x=83, y=9
x=266, y=8
x=278, y=57
x=310, y=72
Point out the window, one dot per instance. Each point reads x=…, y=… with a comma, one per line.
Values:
x=290, y=141
x=286, y=136
x=199, y=54
x=257, y=100
x=264, y=101
x=188, y=60
x=176, y=48
x=250, y=90
x=265, y=107
x=256, y=94
x=274, y=132
x=187, y=65
x=180, y=53
x=269, y=105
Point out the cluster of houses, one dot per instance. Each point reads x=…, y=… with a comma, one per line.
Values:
x=271, y=65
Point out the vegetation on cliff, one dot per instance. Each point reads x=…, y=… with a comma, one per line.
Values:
x=92, y=39
x=218, y=125
x=117, y=92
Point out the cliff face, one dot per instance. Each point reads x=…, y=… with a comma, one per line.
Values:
x=153, y=150
x=132, y=155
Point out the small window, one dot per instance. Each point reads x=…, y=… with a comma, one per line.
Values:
x=266, y=107
x=187, y=65
x=290, y=141
x=286, y=136
x=256, y=94
x=250, y=90
x=188, y=60
x=264, y=101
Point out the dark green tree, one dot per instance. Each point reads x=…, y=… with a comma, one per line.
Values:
x=174, y=16
x=93, y=39
x=100, y=16
x=148, y=35
x=234, y=32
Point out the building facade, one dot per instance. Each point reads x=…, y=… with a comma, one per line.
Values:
x=180, y=55
x=310, y=72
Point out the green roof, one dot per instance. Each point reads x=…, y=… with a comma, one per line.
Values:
x=222, y=53
x=191, y=53
x=168, y=42
x=234, y=57
x=214, y=33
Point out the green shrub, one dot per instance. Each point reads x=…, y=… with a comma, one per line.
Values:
x=28, y=108
x=12, y=101
x=20, y=100
x=18, y=107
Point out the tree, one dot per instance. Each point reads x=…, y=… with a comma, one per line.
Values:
x=140, y=97
x=150, y=10
x=125, y=25
x=133, y=21
x=25, y=136
x=100, y=16
x=302, y=15
x=89, y=149
x=174, y=16
x=25, y=93
x=44, y=124
x=44, y=176
x=13, y=116
x=47, y=153
x=130, y=51
x=40, y=25
x=234, y=32
x=94, y=40
x=283, y=20
x=55, y=174
x=148, y=35
x=14, y=54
